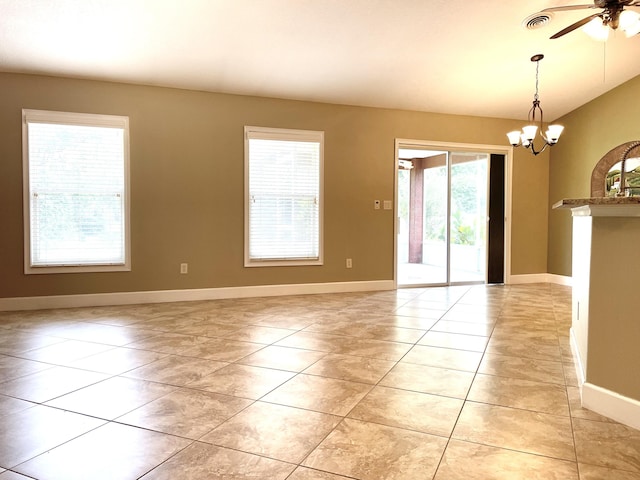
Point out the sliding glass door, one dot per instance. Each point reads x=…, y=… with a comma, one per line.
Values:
x=468, y=217
x=442, y=215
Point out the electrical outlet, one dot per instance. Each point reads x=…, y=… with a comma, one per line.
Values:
x=184, y=268
x=349, y=263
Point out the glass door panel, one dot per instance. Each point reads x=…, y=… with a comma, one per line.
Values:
x=468, y=217
x=435, y=214
x=423, y=178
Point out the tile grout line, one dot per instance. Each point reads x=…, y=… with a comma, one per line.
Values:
x=465, y=400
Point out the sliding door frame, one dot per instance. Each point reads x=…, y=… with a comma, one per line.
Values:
x=464, y=147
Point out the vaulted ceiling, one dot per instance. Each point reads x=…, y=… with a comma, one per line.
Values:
x=469, y=57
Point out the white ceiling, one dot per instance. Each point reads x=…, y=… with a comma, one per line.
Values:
x=467, y=57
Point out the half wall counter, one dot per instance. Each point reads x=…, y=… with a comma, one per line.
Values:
x=605, y=329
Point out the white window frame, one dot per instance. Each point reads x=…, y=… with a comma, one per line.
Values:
x=81, y=119
x=285, y=135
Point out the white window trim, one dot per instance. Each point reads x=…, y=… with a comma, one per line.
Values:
x=68, y=118
x=267, y=133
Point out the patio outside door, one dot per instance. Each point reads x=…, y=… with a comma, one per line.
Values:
x=442, y=214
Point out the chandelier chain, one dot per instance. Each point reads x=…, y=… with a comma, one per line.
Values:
x=536, y=97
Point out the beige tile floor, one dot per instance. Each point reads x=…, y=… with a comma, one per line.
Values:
x=416, y=384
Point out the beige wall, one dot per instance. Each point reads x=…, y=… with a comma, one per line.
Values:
x=590, y=132
x=187, y=184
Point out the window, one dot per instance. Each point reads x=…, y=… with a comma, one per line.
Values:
x=283, y=197
x=76, y=189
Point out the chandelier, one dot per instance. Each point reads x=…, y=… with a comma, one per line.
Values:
x=527, y=136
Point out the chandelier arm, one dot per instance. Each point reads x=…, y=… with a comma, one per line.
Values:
x=537, y=152
x=531, y=117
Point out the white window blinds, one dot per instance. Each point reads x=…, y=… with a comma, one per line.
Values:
x=283, y=184
x=77, y=187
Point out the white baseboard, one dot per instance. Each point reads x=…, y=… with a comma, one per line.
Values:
x=540, y=278
x=611, y=404
x=560, y=279
x=602, y=401
x=164, y=296
x=528, y=278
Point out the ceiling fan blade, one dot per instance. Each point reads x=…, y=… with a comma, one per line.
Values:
x=568, y=7
x=576, y=25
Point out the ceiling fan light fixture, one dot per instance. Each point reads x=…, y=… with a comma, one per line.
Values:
x=597, y=29
x=614, y=14
x=630, y=22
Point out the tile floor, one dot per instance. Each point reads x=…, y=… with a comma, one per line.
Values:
x=444, y=383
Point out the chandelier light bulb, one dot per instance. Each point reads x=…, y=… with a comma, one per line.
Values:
x=514, y=137
x=529, y=132
x=553, y=133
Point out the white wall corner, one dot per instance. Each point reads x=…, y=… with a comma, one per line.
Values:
x=577, y=361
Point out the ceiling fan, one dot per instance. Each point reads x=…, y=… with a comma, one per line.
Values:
x=612, y=16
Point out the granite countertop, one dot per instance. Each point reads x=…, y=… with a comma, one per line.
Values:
x=581, y=202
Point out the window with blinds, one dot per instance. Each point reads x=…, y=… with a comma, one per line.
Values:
x=283, y=197
x=76, y=192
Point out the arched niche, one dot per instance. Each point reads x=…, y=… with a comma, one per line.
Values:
x=614, y=156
